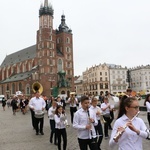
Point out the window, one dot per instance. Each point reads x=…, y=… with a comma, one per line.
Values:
x=68, y=40
x=100, y=73
x=101, y=85
x=114, y=87
x=20, y=87
x=60, y=65
x=106, y=85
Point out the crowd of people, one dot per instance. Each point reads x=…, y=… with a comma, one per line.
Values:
x=91, y=119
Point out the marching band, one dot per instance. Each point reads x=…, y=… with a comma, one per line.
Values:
x=90, y=119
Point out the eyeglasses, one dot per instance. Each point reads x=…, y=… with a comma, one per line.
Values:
x=135, y=107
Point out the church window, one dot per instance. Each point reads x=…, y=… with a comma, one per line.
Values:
x=47, y=44
x=50, y=46
x=60, y=65
x=58, y=40
x=51, y=62
x=47, y=52
x=68, y=40
x=13, y=88
x=47, y=61
x=50, y=38
x=28, y=90
x=68, y=49
x=20, y=87
x=51, y=53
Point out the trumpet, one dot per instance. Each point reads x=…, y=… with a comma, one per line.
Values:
x=66, y=123
x=64, y=119
x=125, y=126
x=101, y=116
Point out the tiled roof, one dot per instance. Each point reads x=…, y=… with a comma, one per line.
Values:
x=18, y=77
x=19, y=56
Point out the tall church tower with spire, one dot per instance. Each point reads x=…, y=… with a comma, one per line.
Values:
x=54, y=52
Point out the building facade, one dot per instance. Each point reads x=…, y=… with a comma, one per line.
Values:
x=47, y=66
x=96, y=79
x=118, y=79
x=140, y=78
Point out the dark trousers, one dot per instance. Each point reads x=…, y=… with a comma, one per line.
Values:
x=99, y=131
x=72, y=111
x=63, y=133
x=39, y=121
x=52, y=127
x=106, y=124
x=111, y=118
x=32, y=118
x=148, y=118
x=84, y=143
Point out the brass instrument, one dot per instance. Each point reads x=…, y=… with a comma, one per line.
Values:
x=101, y=116
x=72, y=101
x=125, y=126
x=36, y=86
x=63, y=118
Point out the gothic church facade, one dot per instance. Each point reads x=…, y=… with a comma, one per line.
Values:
x=48, y=65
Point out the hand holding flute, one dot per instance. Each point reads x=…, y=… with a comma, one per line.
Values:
x=122, y=129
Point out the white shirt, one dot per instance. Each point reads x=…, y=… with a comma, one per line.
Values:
x=148, y=106
x=60, y=103
x=37, y=103
x=107, y=111
x=51, y=112
x=96, y=109
x=129, y=139
x=81, y=119
x=59, y=121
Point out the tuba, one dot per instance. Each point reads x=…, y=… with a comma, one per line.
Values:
x=36, y=86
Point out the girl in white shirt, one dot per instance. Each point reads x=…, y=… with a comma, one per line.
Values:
x=129, y=128
x=147, y=104
x=60, y=126
x=51, y=113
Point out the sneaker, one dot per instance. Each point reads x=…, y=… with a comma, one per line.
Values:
x=37, y=133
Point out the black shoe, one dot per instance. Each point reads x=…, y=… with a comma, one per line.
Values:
x=42, y=133
x=37, y=133
x=55, y=143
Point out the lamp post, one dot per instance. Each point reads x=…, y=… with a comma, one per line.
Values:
x=129, y=78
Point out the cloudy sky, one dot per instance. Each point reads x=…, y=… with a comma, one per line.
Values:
x=104, y=31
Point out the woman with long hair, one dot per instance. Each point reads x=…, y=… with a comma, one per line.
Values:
x=147, y=104
x=128, y=130
x=60, y=127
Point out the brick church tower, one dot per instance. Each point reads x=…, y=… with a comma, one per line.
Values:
x=54, y=52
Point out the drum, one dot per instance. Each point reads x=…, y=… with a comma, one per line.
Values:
x=39, y=114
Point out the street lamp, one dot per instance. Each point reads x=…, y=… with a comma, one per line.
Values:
x=129, y=78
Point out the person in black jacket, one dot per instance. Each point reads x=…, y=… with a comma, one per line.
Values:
x=3, y=103
x=14, y=105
